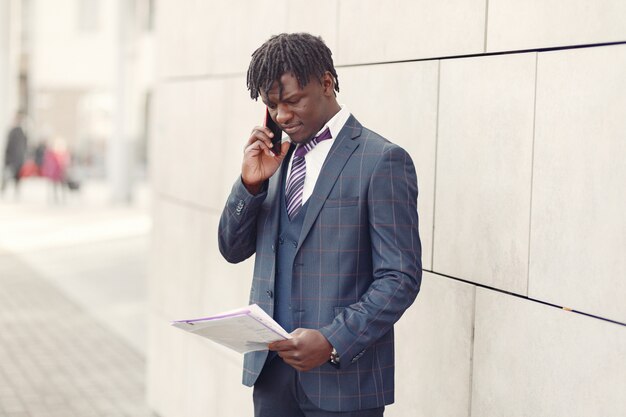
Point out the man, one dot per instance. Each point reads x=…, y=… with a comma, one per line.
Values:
x=333, y=222
x=15, y=153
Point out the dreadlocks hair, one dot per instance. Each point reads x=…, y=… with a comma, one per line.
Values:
x=302, y=54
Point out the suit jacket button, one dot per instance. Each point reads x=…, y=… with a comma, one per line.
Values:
x=269, y=293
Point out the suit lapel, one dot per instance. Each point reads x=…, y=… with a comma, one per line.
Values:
x=339, y=153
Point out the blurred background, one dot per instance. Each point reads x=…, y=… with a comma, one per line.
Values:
x=82, y=73
x=76, y=80
x=124, y=120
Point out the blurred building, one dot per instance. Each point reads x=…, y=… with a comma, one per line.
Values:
x=84, y=76
x=514, y=113
x=13, y=64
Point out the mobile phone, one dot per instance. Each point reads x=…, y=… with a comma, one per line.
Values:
x=278, y=133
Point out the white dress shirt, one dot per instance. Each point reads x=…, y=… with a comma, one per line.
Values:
x=315, y=157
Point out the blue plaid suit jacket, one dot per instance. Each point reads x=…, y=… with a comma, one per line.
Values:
x=358, y=266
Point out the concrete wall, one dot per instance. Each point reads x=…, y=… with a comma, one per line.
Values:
x=518, y=138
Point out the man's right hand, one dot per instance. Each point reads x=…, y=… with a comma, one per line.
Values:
x=259, y=162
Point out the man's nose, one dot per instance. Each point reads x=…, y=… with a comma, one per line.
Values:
x=283, y=114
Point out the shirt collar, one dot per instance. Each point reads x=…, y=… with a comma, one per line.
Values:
x=336, y=123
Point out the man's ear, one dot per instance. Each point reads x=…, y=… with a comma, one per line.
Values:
x=328, y=83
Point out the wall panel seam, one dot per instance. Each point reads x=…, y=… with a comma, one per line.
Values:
x=222, y=76
x=432, y=251
x=527, y=298
x=337, y=25
x=487, y=54
x=532, y=175
x=471, y=369
x=486, y=25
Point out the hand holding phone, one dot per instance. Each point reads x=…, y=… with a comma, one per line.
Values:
x=278, y=133
x=259, y=162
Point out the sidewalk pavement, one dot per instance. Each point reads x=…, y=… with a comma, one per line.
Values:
x=72, y=304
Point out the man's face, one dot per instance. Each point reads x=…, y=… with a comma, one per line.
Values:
x=300, y=112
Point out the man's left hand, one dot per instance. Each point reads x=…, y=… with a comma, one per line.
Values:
x=307, y=349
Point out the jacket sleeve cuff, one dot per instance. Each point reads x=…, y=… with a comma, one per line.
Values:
x=241, y=201
x=348, y=352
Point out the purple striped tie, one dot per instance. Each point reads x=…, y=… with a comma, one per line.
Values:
x=295, y=182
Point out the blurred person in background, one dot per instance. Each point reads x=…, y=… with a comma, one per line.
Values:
x=54, y=168
x=15, y=153
x=39, y=153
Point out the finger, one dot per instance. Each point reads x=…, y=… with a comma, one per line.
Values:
x=279, y=343
x=260, y=133
x=297, y=331
x=291, y=357
x=284, y=147
x=255, y=148
x=273, y=346
x=297, y=365
x=281, y=346
x=254, y=141
x=263, y=129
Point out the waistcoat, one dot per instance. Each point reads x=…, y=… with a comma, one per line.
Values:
x=287, y=246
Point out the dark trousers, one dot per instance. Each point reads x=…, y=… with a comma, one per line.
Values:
x=277, y=393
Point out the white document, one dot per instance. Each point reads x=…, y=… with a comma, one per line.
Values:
x=243, y=330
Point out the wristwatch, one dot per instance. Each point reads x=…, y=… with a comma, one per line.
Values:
x=334, y=357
